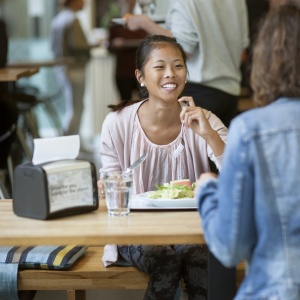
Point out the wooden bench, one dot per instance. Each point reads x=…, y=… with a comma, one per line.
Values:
x=88, y=273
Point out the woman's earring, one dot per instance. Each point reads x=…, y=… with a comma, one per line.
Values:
x=185, y=81
x=142, y=84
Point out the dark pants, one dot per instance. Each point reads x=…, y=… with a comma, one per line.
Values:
x=222, y=104
x=166, y=265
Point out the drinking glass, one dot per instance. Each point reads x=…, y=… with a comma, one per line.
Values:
x=118, y=187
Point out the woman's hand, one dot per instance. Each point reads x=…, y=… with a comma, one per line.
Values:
x=205, y=176
x=134, y=22
x=195, y=119
x=101, y=189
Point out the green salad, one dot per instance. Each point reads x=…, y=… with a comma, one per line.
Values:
x=172, y=191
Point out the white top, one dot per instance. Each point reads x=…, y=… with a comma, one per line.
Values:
x=214, y=33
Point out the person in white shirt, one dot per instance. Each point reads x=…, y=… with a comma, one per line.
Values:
x=214, y=35
x=68, y=41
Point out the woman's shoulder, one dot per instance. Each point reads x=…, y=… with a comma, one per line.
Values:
x=122, y=116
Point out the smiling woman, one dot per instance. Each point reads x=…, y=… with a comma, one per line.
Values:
x=153, y=125
x=168, y=66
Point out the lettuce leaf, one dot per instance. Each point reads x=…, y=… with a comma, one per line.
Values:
x=168, y=191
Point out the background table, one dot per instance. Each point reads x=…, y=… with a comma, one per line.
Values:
x=13, y=74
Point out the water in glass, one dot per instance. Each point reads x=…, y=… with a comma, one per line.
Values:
x=118, y=192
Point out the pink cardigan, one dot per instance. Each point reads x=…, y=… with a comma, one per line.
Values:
x=123, y=141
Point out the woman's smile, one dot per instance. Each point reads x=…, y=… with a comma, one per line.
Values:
x=170, y=87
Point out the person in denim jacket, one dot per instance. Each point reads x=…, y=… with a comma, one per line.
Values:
x=252, y=211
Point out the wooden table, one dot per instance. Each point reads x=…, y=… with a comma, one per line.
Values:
x=33, y=64
x=40, y=63
x=13, y=74
x=97, y=228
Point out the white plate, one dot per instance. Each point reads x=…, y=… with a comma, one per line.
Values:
x=169, y=203
x=119, y=21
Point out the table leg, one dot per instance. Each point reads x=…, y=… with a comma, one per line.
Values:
x=221, y=280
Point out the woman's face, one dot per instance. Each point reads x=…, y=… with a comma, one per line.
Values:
x=164, y=73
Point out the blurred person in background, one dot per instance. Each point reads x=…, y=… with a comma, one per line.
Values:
x=214, y=35
x=68, y=41
x=123, y=43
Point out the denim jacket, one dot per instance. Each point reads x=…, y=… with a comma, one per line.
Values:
x=252, y=212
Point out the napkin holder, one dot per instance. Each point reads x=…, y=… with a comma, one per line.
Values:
x=55, y=189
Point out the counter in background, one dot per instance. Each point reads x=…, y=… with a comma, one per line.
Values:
x=100, y=92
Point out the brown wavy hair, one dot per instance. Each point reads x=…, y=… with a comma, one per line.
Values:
x=276, y=55
x=142, y=56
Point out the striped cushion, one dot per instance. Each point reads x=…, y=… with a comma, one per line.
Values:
x=42, y=257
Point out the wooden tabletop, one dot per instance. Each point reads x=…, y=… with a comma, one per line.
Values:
x=13, y=74
x=40, y=63
x=32, y=64
x=97, y=228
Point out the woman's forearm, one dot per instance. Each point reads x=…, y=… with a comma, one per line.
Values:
x=216, y=143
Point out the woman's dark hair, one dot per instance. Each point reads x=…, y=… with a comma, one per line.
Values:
x=142, y=56
x=276, y=55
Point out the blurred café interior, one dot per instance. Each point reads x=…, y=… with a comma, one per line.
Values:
x=30, y=63
x=28, y=25
x=29, y=42
x=28, y=28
